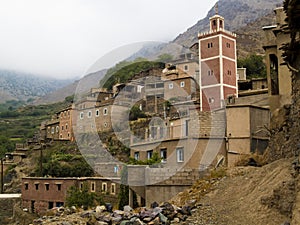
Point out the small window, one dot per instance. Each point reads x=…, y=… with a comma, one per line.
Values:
x=163, y=155
x=104, y=187
x=229, y=72
x=93, y=187
x=228, y=45
x=81, y=186
x=180, y=154
x=182, y=83
x=97, y=113
x=211, y=44
x=47, y=187
x=81, y=115
x=116, y=169
x=36, y=186
x=113, y=189
x=105, y=124
x=62, y=127
x=66, y=126
x=26, y=186
x=68, y=134
x=210, y=72
x=58, y=187
x=137, y=155
x=89, y=114
x=171, y=86
x=186, y=68
x=57, y=129
x=211, y=100
x=52, y=130
x=149, y=154
x=105, y=111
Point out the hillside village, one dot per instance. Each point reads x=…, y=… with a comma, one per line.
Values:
x=174, y=122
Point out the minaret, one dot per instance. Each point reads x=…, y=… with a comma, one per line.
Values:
x=217, y=62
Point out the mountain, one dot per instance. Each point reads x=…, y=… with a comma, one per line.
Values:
x=84, y=84
x=244, y=17
x=26, y=87
x=237, y=14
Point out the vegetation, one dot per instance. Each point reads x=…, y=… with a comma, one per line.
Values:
x=155, y=159
x=124, y=71
x=63, y=160
x=82, y=197
x=136, y=113
x=255, y=66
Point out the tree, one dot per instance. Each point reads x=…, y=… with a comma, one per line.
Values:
x=82, y=197
x=255, y=66
x=136, y=113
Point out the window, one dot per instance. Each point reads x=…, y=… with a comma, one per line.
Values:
x=149, y=154
x=186, y=67
x=182, y=84
x=105, y=111
x=52, y=130
x=68, y=134
x=171, y=86
x=229, y=72
x=113, y=189
x=26, y=186
x=36, y=186
x=180, y=154
x=211, y=100
x=137, y=155
x=57, y=129
x=104, y=187
x=50, y=205
x=66, y=126
x=58, y=187
x=228, y=45
x=105, y=124
x=116, y=169
x=210, y=72
x=93, y=187
x=210, y=45
x=89, y=114
x=81, y=115
x=62, y=127
x=81, y=186
x=97, y=113
x=47, y=187
x=163, y=155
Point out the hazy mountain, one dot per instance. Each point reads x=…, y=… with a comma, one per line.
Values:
x=83, y=85
x=26, y=87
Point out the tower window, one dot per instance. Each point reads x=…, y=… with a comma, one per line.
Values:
x=228, y=45
x=211, y=100
x=210, y=45
x=210, y=72
x=229, y=72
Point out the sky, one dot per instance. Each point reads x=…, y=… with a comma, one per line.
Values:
x=63, y=38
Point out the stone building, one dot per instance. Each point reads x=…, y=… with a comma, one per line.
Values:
x=41, y=193
x=278, y=74
x=66, y=123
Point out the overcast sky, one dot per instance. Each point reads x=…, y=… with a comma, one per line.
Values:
x=63, y=38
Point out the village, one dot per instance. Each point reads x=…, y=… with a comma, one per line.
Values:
x=199, y=112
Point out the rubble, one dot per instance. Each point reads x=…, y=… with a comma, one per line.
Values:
x=165, y=213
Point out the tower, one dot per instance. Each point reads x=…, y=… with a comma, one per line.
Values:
x=217, y=65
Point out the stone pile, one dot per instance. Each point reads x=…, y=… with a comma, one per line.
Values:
x=165, y=213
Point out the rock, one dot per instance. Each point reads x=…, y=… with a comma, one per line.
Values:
x=109, y=207
x=191, y=203
x=127, y=208
x=87, y=214
x=154, y=205
x=186, y=210
x=163, y=218
x=147, y=219
x=156, y=221
x=125, y=222
x=176, y=220
x=100, y=209
x=101, y=223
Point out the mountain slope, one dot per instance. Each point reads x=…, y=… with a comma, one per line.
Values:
x=22, y=86
x=237, y=14
x=85, y=83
